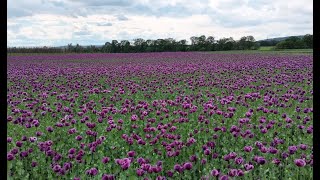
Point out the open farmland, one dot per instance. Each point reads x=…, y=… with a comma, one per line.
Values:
x=160, y=116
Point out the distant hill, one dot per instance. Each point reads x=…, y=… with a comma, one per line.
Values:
x=280, y=38
x=63, y=47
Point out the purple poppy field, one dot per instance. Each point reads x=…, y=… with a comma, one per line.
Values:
x=160, y=116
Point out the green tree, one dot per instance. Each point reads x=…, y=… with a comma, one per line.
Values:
x=308, y=40
x=291, y=43
x=125, y=46
x=182, y=45
x=139, y=45
x=210, y=43
x=115, y=46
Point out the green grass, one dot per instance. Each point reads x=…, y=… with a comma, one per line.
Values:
x=265, y=50
x=296, y=50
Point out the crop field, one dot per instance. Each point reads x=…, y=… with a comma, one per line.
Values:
x=160, y=116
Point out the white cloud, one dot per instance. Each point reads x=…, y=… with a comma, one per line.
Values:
x=58, y=22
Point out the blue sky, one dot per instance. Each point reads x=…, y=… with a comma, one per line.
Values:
x=59, y=22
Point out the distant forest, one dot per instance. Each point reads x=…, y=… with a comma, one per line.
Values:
x=201, y=43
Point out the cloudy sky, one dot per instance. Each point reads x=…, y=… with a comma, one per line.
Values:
x=59, y=22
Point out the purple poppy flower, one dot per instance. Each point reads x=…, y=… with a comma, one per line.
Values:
x=141, y=142
x=215, y=155
x=233, y=172
x=224, y=177
x=178, y=168
x=263, y=149
x=300, y=162
x=62, y=172
x=33, y=139
x=14, y=151
x=141, y=161
x=78, y=138
x=24, y=138
x=203, y=161
x=105, y=160
x=9, y=139
x=284, y=115
x=215, y=173
x=292, y=149
x=273, y=150
x=240, y=173
x=276, y=161
x=248, y=148
x=169, y=173
x=140, y=172
x=131, y=153
x=261, y=160
x=187, y=166
x=10, y=157
x=239, y=160
x=146, y=167
x=161, y=178
x=207, y=152
x=34, y=164
x=57, y=157
x=264, y=130
x=56, y=168
x=72, y=151
x=38, y=133
x=303, y=146
x=49, y=129
x=124, y=163
x=134, y=117
x=92, y=171
x=157, y=169
x=24, y=154
x=108, y=177
x=248, y=167
x=193, y=158
x=226, y=157
x=19, y=143
x=310, y=130
x=159, y=163
x=67, y=166
x=232, y=155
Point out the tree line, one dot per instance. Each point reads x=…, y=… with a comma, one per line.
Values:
x=296, y=43
x=201, y=43
x=34, y=50
x=197, y=43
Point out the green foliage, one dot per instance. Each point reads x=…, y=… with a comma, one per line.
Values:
x=308, y=40
x=296, y=43
x=35, y=50
x=201, y=43
x=268, y=43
